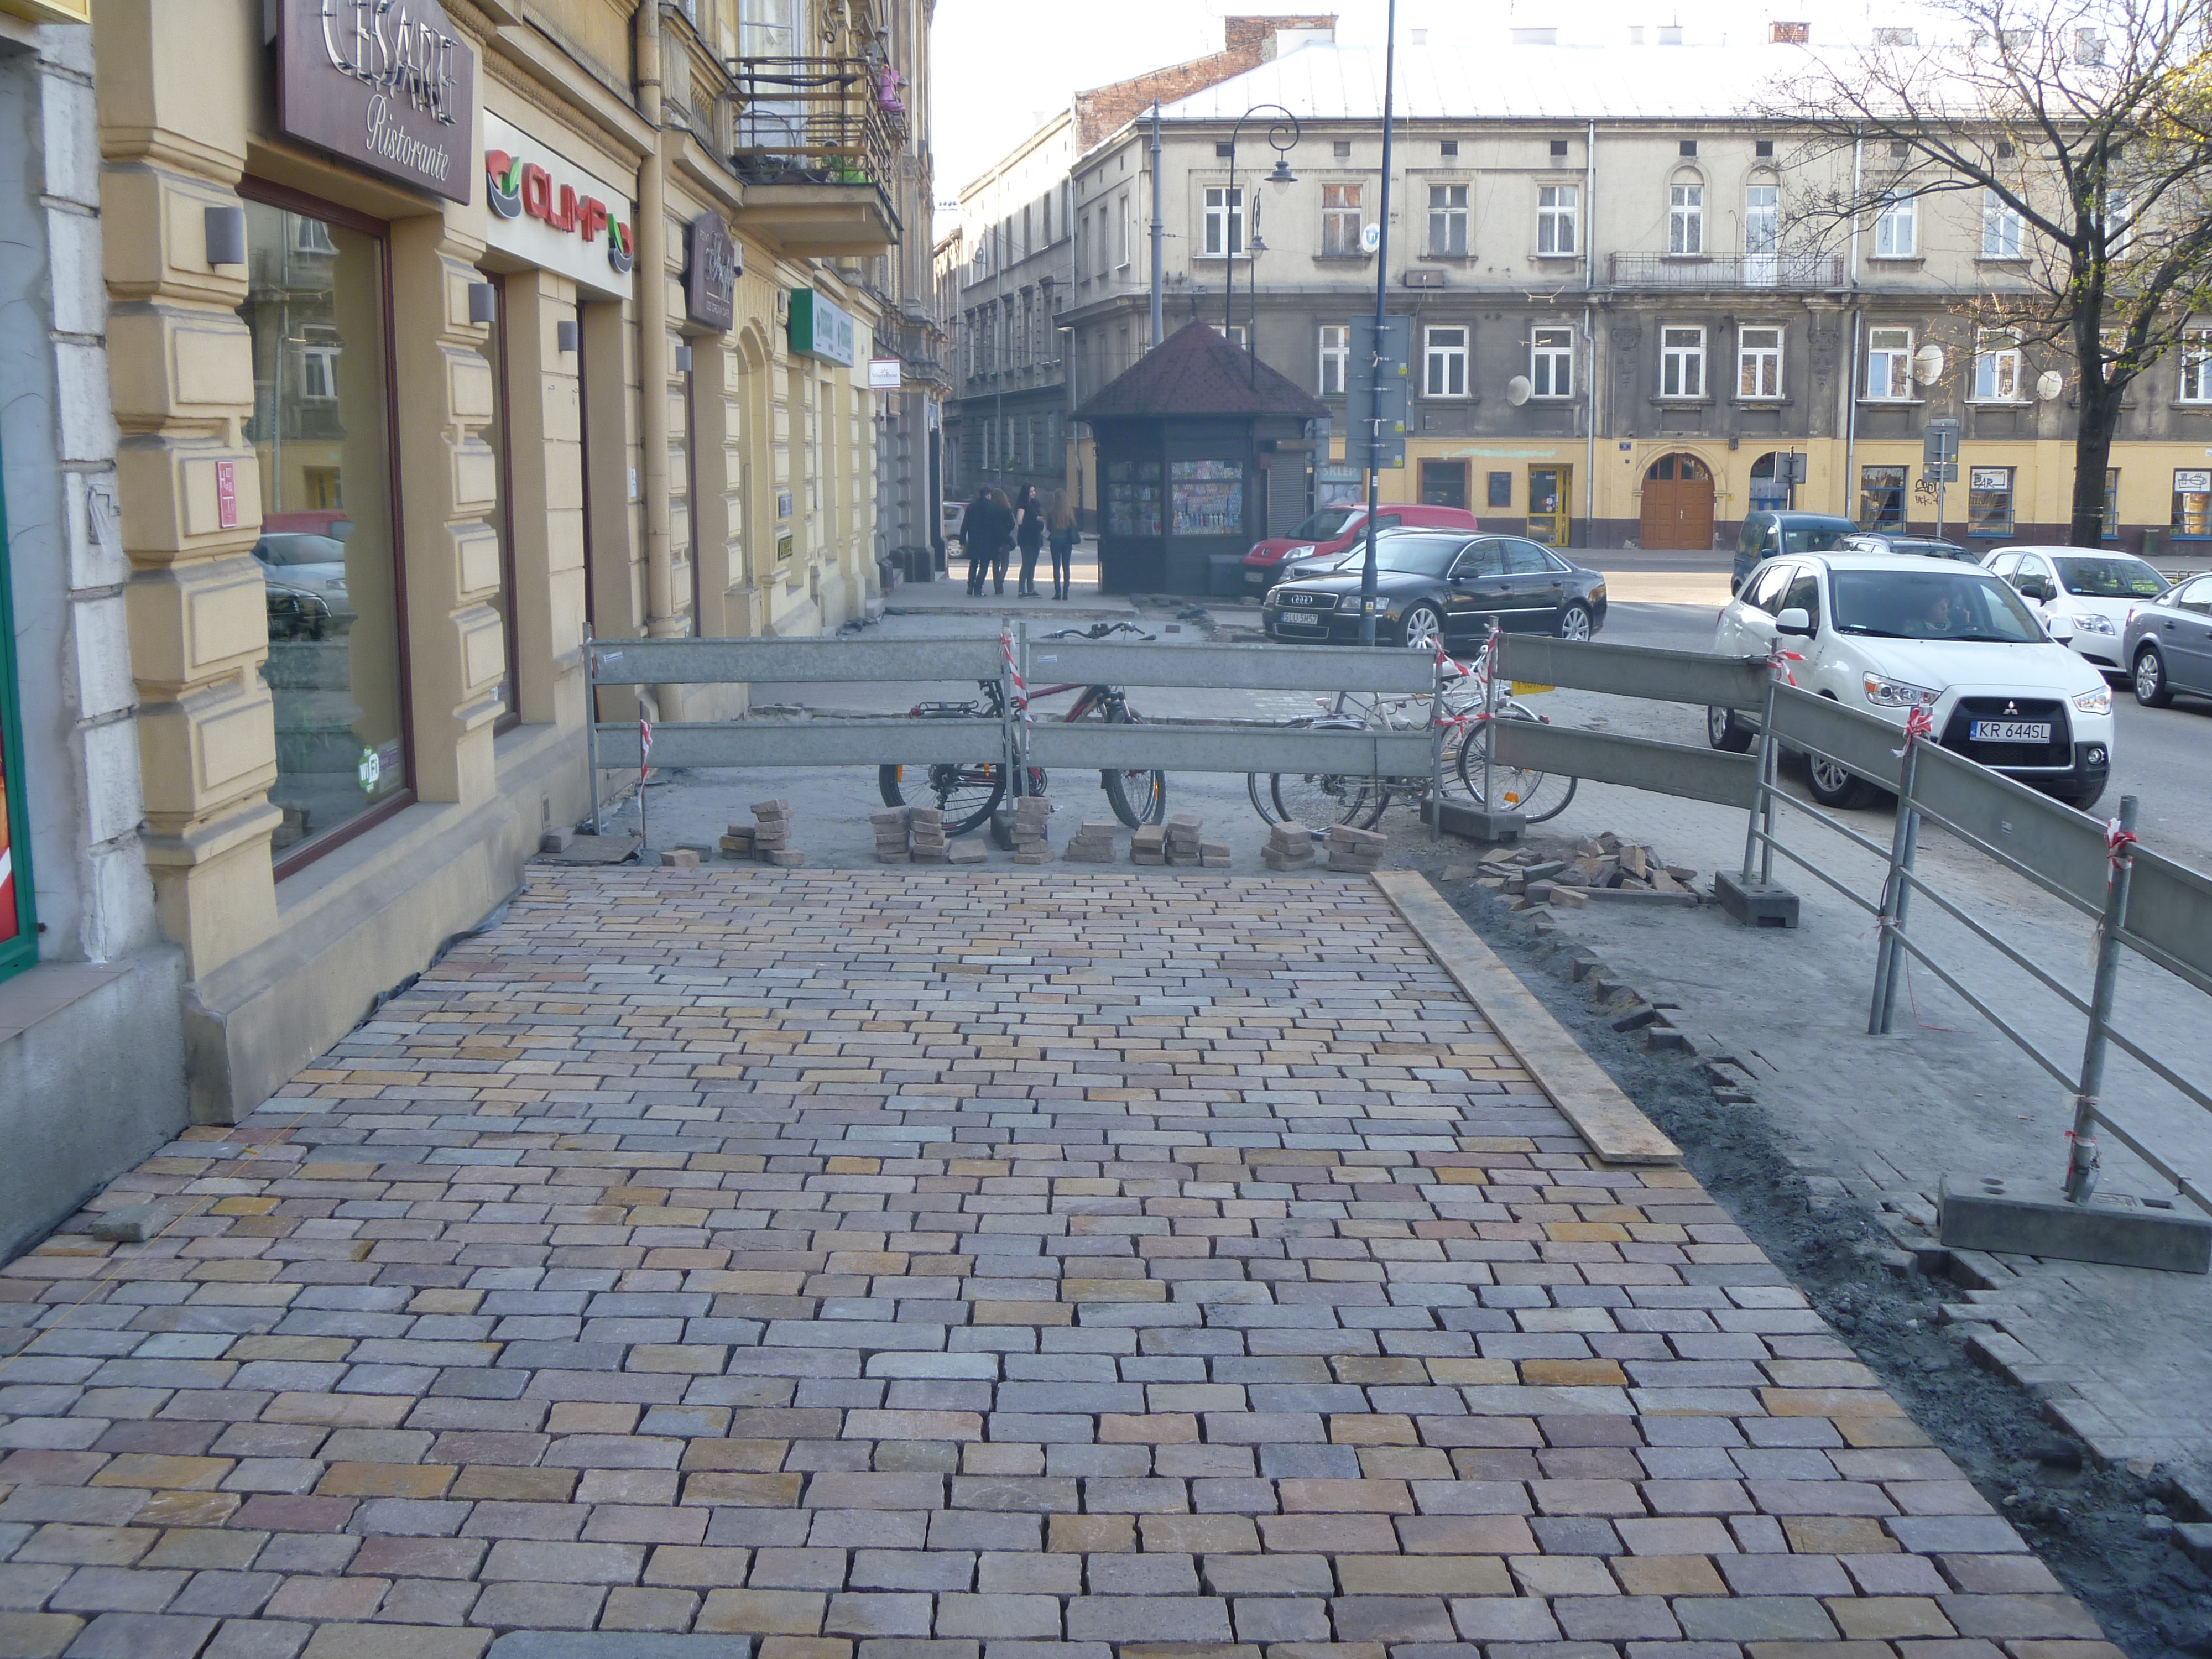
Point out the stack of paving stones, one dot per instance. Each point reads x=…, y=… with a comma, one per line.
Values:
x=736, y=842
x=921, y=1265
x=1091, y=844
x=892, y=828
x=1181, y=846
x=1290, y=846
x=1032, y=815
x=772, y=834
x=1354, y=850
x=926, y=835
x=1148, y=844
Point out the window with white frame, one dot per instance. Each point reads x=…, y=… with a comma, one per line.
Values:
x=1234, y=334
x=1448, y=221
x=1897, y=226
x=1996, y=366
x=1555, y=218
x=1681, y=362
x=1889, y=363
x=2001, y=238
x=1762, y=221
x=1446, y=359
x=319, y=366
x=2196, y=366
x=1335, y=358
x=1552, y=361
x=1340, y=222
x=1757, y=363
x=1224, y=222
x=1685, y=219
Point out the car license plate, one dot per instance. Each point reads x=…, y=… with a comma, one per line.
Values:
x=2010, y=731
x=1257, y=578
x=1299, y=619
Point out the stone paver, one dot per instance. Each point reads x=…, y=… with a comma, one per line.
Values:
x=961, y=1267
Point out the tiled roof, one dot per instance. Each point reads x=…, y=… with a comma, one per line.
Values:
x=1194, y=371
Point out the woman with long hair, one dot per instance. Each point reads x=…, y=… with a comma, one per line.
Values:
x=1029, y=535
x=1061, y=523
x=1002, y=523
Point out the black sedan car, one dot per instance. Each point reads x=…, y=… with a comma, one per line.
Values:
x=1447, y=588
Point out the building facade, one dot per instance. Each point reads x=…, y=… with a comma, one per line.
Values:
x=1620, y=329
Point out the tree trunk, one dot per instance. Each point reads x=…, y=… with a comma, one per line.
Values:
x=2099, y=415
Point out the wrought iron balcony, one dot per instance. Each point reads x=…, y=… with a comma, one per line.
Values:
x=1714, y=273
x=814, y=143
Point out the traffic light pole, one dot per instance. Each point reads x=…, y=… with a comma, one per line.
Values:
x=1375, y=372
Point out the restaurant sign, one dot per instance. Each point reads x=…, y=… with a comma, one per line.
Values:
x=710, y=279
x=388, y=85
x=546, y=210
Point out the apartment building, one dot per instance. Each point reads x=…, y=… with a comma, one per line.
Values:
x=1620, y=329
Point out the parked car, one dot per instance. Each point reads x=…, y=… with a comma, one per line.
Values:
x=950, y=515
x=1887, y=637
x=2083, y=596
x=1768, y=531
x=1334, y=530
x=1450, y=588
x=2167, y=644
x=314, y=564
x=1883, y=541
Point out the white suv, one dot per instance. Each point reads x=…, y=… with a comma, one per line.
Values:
x=2083, y=596
x=1887, y=634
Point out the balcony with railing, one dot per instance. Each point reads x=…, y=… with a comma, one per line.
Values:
x=1725, y=273
x=815, y=142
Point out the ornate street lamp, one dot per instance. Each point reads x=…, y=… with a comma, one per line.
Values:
x=1282, y=137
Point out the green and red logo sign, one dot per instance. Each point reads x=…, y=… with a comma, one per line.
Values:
x=517, y=188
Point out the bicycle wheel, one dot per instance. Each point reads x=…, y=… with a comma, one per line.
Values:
x=1320, y=799
x=1137, y=795
x=966, y=792
x=1536, y=795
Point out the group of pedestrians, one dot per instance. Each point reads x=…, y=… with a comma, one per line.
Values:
x=993, y=526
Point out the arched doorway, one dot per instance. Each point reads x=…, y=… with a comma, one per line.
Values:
x=1770, y=482
x=1678, y=503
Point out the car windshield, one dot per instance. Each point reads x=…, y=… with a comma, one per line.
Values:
x=1325, y=525
x=1929, y=605
x=298, y=550
x=1415, y=555
x=1812, y=537
x=2106, y=577
x=1938, y=550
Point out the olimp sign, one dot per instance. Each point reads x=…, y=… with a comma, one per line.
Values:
x=388, y=85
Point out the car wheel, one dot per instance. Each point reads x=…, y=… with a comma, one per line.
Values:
x=1836, y=786
x=2151, y=690
x=1575, y=623
x=1425, y=629
x=1726, y=730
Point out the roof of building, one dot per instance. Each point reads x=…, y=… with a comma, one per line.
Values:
x=1194, y=371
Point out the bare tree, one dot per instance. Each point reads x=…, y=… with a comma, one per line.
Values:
x=2082, y=131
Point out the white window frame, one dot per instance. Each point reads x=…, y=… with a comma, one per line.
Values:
x=1897, y=226
x=1682, y=361
x=1685, y=219
x=1342, y=223
x=1235, y=334
x=319, y=373
x=1444, y=350
x=1558, y=215
x=1335, y=346
x=1762, y=221
x=1224, y=219
x=1996, y=366
x=1552, y=361
x=1758, y=363
x=1895, y=359
x=2001, y=231
x=1448, y=217
x=2195, y=383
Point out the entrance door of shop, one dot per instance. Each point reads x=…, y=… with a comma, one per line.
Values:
x=1550, y=489
x=1678, y=503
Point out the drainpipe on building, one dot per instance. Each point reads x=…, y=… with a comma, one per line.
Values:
x=1590, y=333
x=1851, y=368
x=660, y=619
x=1159, y=230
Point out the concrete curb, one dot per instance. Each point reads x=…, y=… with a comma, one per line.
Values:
x=1591, y=1101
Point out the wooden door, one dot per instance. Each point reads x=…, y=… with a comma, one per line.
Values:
x=1678, y=504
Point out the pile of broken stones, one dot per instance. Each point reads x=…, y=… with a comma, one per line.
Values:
x=1603, y=867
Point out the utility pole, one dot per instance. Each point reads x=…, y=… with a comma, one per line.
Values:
x=1159, y=230
x=1382, y=294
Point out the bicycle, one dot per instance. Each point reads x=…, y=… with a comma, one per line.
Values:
x=969, y=792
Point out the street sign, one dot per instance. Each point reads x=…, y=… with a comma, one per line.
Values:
x=1941, y=472
x=1794, y=467
x=1378, y=393
x=1939, y=442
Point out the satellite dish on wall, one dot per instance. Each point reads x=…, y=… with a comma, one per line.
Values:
x=2049, y=385
x=1370, y=238
x=1927, y=365
x=1517, y=390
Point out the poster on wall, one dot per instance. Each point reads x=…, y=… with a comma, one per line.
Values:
x=388, y=85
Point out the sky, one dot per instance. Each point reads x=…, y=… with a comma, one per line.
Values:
x=1002, y=67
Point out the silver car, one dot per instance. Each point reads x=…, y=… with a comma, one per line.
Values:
x=2168, y=643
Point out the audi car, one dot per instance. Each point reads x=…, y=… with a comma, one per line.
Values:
x=1448, y=589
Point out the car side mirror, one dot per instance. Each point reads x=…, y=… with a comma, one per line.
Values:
x=1794, y=620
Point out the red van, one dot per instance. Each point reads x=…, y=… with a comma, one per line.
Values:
x=1335, y=529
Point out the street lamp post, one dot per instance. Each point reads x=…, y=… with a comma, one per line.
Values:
x=1233, y=215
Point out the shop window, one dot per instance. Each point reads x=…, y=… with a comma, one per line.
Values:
x=1335, y=358
x=1989, y=501
x=501, y=517
x=1881, y=497
x=1681, y=362
x=1133, y=498
x=329, y=551
x=1555, y=218
x=2192, y=501
x=1896, y=227
x=1446, y=361
x=2108, y=527
x=1758, y=363
x=1552, y=362
x=1208, y=498
x=1889, y=363
x=1340, y=225
x=1448, y=221
x=1444, y=483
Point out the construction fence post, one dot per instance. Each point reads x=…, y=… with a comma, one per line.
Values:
x=1896, y=898
x=1762, y=799
x=2119, y=871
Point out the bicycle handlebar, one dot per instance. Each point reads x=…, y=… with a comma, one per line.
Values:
x=1099, y=631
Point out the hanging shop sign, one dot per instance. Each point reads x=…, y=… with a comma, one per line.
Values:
x=388, y=85
x=543, y=208
x=821, y=328
x=884, y=374
x=710, y=280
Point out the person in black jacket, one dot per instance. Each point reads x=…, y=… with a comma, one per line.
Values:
x=1029, y=535
x=980, y=530
x=1059, y=526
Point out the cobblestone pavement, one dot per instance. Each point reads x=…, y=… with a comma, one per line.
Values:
x=965, y=1267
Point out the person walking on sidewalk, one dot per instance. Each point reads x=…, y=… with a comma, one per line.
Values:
x=1029, y=535
x=983, y=533
x=1059, y=524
